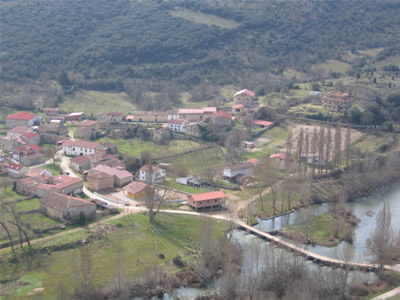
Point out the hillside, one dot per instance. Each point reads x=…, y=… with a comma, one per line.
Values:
x=101, y=43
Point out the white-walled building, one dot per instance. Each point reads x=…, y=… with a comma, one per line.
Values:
x=177, y=125
x=80, y=147
x=157, y=175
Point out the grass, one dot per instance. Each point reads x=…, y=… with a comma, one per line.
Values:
x=53, y=168
x=135, y=147
x=179, y=235
x=199, y=161
x=39, y=221
x=184, y=188
x=9, y=195
x=333, y=66
x=27, y=205
x=276, y=137
x=201, y=18
x=95, y=102
x=319, y=230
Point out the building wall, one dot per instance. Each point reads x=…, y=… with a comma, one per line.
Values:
x=98, y=184
x=205, y=203
x=75, y=151
x=51, y=212
x=221, y=122
x=121, y=182
x=139, y=195
x=15, y=123
x=244, y=99
x=86, y=132
x=191, y=117
x=157, y=177
x=177, y=127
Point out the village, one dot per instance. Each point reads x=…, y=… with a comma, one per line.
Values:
x=63, y=166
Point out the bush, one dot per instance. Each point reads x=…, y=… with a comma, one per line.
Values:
x=81, y=218
x=177, y=260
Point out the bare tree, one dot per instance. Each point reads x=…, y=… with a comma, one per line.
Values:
x=314, y=149
x=153, y=197
x=347, y=144
x=5, y=227
x=306, y=151
x=83, y=274
x=382, y=246
x=300, y=141
x=337, y=158
x=328, y=146
x=321, y=142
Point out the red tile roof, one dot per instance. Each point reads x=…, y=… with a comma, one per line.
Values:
x=246, y=92
x=282, y=156
x=135, y=187
x=178, y=121
x=209, y=109
x=254, y=161
x=29, y=135
x=35, y=147
x=189, y=111
x=80, y=159
x=15, y=167
x=145, y=168
x=121, y=174
x=23, y=115
x=61, y=202
x=263, y=123
x=208, y=196
x=237, y=106
x=99, y=175
x=20, y=130
x=243, y=166
x=87, y=123
x=80, y=143
x=222, y=114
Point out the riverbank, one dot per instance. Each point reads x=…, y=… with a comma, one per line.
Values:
x=327, y=230
x=130, y=246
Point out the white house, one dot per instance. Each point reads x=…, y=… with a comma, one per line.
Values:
x=173, y=114
x=177, y=125
x=157, y=175
x=80, y=147
x=234, y=173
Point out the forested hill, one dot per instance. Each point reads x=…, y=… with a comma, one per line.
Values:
x=181, y=39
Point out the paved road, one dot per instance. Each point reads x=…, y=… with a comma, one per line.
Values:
x=388, y=295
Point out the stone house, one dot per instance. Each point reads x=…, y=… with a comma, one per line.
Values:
x=136, y=190
x=150, y=116
x=22, y=118
x=3, y=169
x=66, y=208
x=246, y=97
x=111, y=117
x=80, y=163
x=237, y=109
x=121, y=176
x=87, y=129
x=281, y=161
x=62, y=184
x=262, y=124
x=337, y=101
x=76, y=116
x=222, y=119
x=98, y=181
x=51, y=111
x=17, y=170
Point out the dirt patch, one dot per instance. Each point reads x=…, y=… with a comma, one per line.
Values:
x=354, y=134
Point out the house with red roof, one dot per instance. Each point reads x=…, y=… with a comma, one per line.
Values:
x=81, y=147
x=137, y=190
x=22, y=118
x=177, y=125
x=203, y=201
x=3, y=169
x=121, y=177
x=97, y=180
x=237, y=108
x=66, y=208
x=87, y=129
x=246, y=97
x=234, y=173
x=76, y=116
x=111, y=117
x=17, y=170
x=281, y=160
x=337, y=101
x=262, y=124
x=27, y=155
x=222, y=119
x=62, y=184
x=154, y=175
x=80, y=163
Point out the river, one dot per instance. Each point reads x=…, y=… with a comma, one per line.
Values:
x=363, y=230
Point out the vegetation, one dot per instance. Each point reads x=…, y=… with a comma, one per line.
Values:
x=134, y=240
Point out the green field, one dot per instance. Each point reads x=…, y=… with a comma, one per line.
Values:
x=27, y=205
x=197, y=162
x=9, y=195
x=333, y=66
x=136, y=146
x=53, y=168
x=179, y=235
x=184, y=188
x=276, y=137
x=94, y=102
x=201, y=18
x=39, y=221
